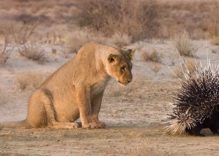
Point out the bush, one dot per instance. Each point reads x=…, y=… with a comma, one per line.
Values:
x=21, y=33
x=33, y=53
x=188, y=67
x=151, y=56
x=183, y=45
x=4, y=53
x=134, y=18
x=214, y=32
x=76, y=39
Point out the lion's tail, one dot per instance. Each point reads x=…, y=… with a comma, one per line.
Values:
x=15, y=124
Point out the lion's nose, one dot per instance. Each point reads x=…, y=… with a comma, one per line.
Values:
x=130, y=79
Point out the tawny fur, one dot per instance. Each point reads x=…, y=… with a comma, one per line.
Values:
x=76, y=89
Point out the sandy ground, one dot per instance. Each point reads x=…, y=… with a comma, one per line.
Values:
x=135, y=115
x=134, y=127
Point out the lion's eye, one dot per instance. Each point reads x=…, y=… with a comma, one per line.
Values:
x=123, y=68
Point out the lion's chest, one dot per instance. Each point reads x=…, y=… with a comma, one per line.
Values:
x=99, y=87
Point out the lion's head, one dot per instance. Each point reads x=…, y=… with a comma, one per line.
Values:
x=119, y=66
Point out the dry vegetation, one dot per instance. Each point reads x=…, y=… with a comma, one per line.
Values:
x=117, y=22
x=77, y=38
x=183, y=44
x=151, y=56
x=146, y=18
x=21, y=33
x=15, y=35
x=4, y=53
x=33, y=53
x=188, y=66
x=214, y=33
x=134, y=18
x=138, y=19
x=214, y=40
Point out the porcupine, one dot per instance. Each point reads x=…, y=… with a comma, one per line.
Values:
x=196, y=104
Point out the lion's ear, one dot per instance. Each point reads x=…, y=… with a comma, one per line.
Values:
x=129, y=53
x=112, y=58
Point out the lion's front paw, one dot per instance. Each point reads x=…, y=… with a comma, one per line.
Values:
x=88, y=125
x=98, y=124
x=94, y=125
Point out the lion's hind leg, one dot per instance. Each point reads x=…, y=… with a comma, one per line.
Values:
x=42, y=112
x=52, y=115
x=37, y=115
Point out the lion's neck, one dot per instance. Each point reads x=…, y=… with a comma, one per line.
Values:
x=101, y=63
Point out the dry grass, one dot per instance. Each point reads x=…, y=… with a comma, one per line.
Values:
x=214, y=40
x=214, y=33
x=138, y=19
x=183, y=44
x=188, y=66
x=33, y=53
x=4, y=53
x=148, y=18
x=21, y=33
x=76, y=39
x=133, y=18
x=29, y=81
x=192, y=16
x=118, y=39
x=151, y=56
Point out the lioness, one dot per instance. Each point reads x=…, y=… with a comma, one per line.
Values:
x=76, y=89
